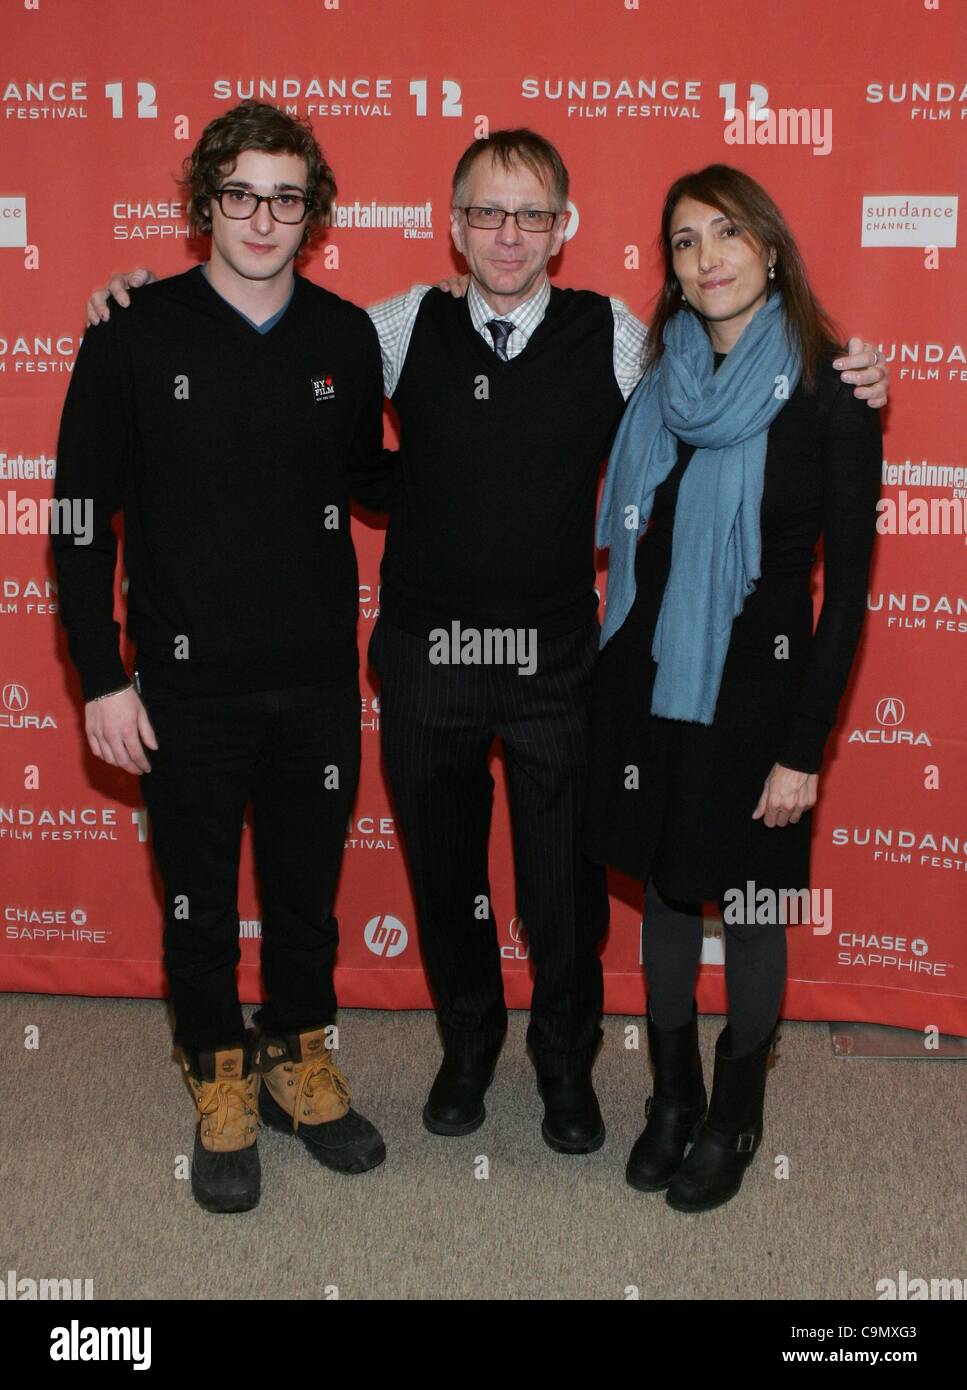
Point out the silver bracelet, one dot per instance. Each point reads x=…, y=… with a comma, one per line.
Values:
x=120, y=690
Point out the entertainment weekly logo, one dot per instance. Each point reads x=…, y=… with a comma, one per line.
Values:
x=20, y=468
x=413, y=220
x=908, y=507
x=907, y=219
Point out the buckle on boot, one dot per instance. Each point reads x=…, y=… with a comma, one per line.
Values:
x=746, y=1143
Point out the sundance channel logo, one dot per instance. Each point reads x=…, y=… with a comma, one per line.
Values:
x=908, y=219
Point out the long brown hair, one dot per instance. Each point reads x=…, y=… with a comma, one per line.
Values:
x=750, y=207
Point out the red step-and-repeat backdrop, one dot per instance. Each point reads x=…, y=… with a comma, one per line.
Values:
x=855, y=121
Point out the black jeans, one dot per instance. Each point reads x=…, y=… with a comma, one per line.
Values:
x=295, y=754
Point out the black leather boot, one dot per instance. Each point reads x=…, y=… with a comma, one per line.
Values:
x=676, y=1109
x=714, y=1167
x=572, y=1117
x=455, y=1104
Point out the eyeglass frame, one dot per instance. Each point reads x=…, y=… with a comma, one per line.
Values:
x=534, y=231
x=261, y=198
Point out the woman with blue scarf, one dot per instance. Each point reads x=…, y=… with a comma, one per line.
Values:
x=714, y=697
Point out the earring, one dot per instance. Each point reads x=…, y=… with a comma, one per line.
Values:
x=684, y=300
x=772, y=272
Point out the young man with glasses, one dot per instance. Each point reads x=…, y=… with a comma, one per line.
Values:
x=227, y=415
x=508, y=401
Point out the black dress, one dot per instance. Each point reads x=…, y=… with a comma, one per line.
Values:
x=688, y=820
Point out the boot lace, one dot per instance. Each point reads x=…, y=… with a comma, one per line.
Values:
x=315, y=1079
x=230, y=1103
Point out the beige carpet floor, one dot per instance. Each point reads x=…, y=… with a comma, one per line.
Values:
x=95, y=1118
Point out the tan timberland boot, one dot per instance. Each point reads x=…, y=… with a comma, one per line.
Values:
x=305, y=1094
x=225, y=1169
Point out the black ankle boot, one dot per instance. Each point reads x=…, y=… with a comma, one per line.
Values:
x=572, y=1121
x=455, y=1104
x=676, y=1109
x=727, y=1142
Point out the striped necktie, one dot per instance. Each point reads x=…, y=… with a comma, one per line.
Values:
x=500, y=330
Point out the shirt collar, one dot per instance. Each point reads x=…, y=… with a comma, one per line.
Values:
x=525, y=317
x=259, y=327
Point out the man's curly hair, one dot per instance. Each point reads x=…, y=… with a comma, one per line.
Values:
x=254, y=125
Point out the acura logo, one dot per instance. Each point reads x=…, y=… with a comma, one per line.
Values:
x=516, y=930
x=15, y=698
x=890, y=712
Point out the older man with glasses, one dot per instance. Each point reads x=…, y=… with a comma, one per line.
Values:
x=508, y=401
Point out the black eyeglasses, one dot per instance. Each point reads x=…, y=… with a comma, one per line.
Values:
x=239, y=203
x=527, y=219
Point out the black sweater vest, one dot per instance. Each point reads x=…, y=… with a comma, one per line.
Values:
x=495, y=522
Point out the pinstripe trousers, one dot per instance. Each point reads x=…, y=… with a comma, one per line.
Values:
x=438, y=725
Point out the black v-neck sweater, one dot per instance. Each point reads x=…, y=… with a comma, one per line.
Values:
x=230, y=452
x=493, y=525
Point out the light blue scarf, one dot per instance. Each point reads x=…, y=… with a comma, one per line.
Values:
x=716, y=541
